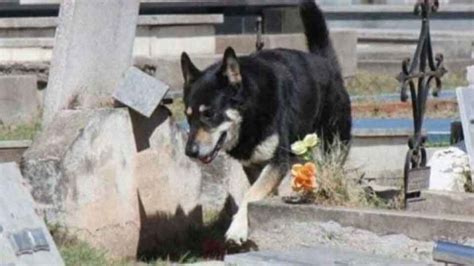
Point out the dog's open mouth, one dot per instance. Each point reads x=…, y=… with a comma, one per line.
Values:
x=209, y=158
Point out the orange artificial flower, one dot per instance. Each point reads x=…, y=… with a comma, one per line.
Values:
x=303, y=177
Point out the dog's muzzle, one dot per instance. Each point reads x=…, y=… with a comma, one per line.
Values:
x=193, y=150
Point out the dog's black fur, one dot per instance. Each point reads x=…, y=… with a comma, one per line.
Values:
x=287, y=92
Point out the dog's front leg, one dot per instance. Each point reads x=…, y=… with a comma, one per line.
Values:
x=268, y=180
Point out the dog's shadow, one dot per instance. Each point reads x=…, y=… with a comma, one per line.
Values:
x=185, y=237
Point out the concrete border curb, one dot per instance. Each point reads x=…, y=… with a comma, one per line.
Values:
x=419, y=226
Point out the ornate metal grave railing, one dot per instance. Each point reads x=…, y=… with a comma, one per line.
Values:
x=416, y=173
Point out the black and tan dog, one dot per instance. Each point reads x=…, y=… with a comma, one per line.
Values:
x=253, y=107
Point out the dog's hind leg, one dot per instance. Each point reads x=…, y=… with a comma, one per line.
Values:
x=267, y=182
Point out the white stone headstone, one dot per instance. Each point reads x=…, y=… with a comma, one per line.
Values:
x=93, y=49
x=24, y=237
x=465, y=98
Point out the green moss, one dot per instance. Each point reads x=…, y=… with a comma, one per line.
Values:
x=19, y=132
x=177, y=109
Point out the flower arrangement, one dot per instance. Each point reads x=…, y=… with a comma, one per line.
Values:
x=321, y=177
x=303, y=176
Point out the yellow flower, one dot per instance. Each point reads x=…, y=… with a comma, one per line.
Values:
x=299, y=148
x=311, y=140
x=303, y=177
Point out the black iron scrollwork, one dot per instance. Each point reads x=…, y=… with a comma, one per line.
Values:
x=430, y=69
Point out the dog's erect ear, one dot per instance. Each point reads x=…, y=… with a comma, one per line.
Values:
x=230, y=66
x=190, y=72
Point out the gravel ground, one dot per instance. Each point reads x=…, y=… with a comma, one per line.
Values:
x=334, y=235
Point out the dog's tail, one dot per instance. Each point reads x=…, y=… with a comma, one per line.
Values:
x=316, y=30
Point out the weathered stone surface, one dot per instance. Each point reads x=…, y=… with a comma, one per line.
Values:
x=369, y=146
x=81, y=169
x=167, y=179
x=313, y=256
x=93, y=48
x=442, y=202
x=18, y=214
x=420, y=226
x=19, y=100
x=449, y=168
x=276, y=226
x=140, y=91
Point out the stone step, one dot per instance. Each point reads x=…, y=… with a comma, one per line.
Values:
x=415, y=225
x=313, y=256
x=439, y=202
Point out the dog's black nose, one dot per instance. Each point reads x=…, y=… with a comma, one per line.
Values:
x=192, y=150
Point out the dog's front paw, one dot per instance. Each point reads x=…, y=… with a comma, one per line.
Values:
x=238, y=231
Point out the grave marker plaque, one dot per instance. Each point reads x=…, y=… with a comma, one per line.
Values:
x=418, y=180
x=24, y=237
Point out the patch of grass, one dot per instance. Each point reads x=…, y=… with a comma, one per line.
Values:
x=334, y=186
x=469, y=185
x=177, y=109
x=19, y=132
x=442, y=144
x=77, y=253
x=365, y=83
x=454, y=80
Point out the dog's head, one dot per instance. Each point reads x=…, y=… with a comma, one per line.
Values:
x=212, y=99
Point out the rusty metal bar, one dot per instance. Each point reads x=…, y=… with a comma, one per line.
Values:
x=417, y=76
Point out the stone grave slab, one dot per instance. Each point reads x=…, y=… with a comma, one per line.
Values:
x=466, y=109
x=418, y=226
x=313, y=256
x=140, y=91
x=24, y=237
x=18, y=99
x=93, y=49
x=81, y=172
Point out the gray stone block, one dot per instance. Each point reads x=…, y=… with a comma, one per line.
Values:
x=313, y=256
x=12, y=151
x=19, y=103
x=420, y=226
x=93, y=49
x=140, y=91
x=81, y=171
x=442, y=202
x=24, y=237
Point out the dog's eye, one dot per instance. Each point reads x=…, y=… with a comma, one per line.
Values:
x=208, y=114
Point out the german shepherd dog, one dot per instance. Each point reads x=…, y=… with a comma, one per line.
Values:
x=253, y=107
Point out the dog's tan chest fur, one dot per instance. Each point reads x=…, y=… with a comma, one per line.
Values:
x=264, y=151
